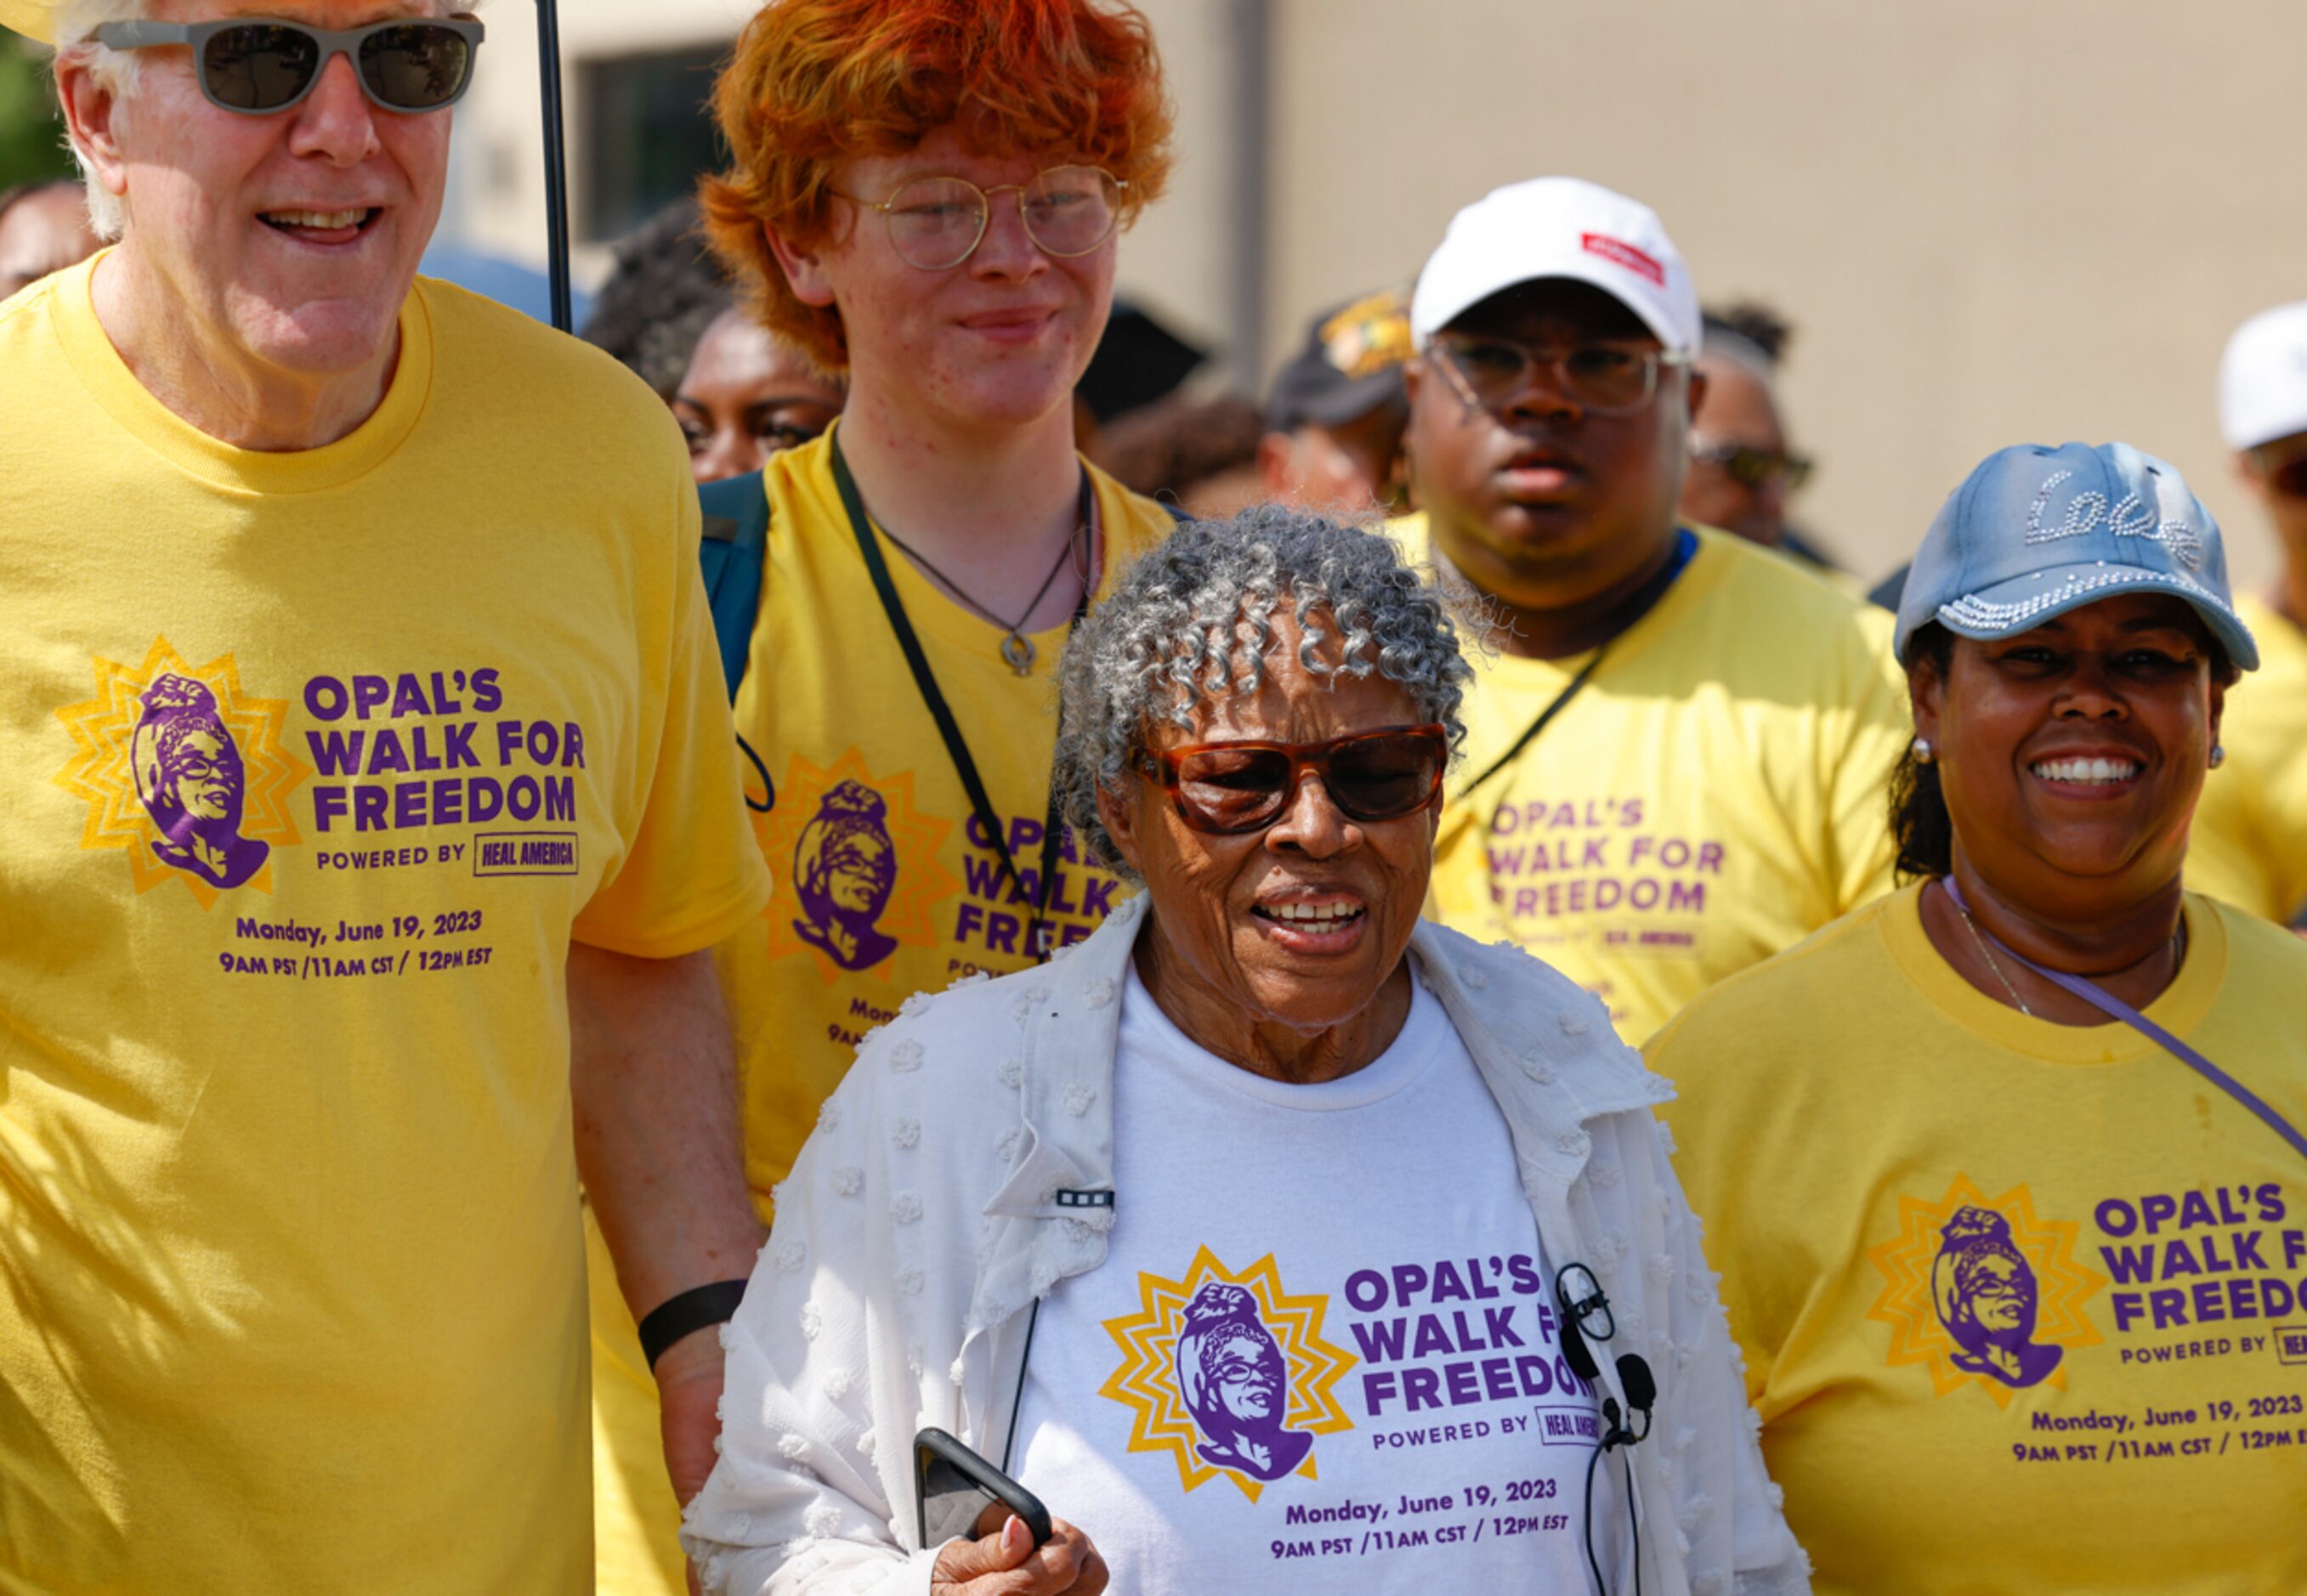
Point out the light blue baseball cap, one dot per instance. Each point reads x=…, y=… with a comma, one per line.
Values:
x=2034, y=533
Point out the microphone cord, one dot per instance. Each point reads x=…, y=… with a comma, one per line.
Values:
x=1634, y=1520
x=1634, y=1523
x=1593, y=1562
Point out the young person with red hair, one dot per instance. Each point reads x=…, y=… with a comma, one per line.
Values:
x=926, y=196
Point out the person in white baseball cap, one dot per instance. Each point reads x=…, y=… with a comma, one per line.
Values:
x=1677, y=749
x=2251, y=830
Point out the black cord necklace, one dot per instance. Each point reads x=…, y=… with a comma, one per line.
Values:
x=1017, y=651
x=934, y=700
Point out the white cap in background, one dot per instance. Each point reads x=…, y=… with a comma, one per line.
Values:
x=2263, y=379
x=1559, y=227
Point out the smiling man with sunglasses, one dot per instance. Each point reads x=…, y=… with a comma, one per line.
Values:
x=340, y=761
x=1675, y=755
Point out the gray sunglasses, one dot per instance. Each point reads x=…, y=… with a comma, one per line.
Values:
x=257, y=65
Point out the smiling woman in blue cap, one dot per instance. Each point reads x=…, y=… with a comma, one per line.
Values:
x=2004, y=1170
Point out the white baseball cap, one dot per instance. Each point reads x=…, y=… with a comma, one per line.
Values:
x=2263, y=379
x=1559, y=227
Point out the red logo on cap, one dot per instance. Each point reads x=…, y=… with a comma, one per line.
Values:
x=1619, y=252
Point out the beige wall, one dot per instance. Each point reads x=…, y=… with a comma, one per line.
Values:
x=497, y=190
x=1992, y=222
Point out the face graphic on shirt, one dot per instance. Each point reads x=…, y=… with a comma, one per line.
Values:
x=1985, y=1296
x=1249, y=1375
x=1981, y=1291
x=844, y=868
x=1229, y=1374
x=184, y=771
x=191, y=781
x=1235, y=1383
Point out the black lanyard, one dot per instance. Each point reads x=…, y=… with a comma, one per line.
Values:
x=1545, y=718
x=1686, y=544
x=957, y=747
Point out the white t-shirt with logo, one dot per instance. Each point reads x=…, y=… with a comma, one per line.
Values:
x=1323, y=1352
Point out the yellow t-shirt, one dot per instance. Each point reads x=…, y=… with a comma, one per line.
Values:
x=311, y=765
x=1716, y=791
x=2249, y=845
x=884, y=885
x=2023, y=1305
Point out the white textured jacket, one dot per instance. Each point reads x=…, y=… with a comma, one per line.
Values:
x=923, y=1215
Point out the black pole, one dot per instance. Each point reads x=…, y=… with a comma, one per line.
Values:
x=556, y=163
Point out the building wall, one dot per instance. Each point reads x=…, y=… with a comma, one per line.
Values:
x=496, y=192
x=1991, y=223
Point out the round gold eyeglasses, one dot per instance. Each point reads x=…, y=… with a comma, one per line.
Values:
x=936, y=223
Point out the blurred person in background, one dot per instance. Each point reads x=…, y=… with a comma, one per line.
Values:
x=1199, y=454
x=2250, y=833
x=361, y=729
x=665, y=287
x=1742, y=470
x=1139, y=359
x=747, y=394
x=1676, y=750
x=927, y=198
x=44, y=227
x=1996, y=1168
x=1335, y=414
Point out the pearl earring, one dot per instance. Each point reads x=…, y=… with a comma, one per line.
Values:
x=1925, y=753
x=2219, y=756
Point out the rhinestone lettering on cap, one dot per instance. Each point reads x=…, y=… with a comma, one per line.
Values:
x=2132, y=518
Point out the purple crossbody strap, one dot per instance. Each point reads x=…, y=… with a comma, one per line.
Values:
x=2098, y=997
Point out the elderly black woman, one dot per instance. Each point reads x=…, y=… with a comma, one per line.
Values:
x=1237, y=1234
x=2004, y=1170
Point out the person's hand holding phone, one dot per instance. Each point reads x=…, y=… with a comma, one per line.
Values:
x=1004, y=1561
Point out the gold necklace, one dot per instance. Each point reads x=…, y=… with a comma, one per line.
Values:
x=2177, y=946
x=1988, y=954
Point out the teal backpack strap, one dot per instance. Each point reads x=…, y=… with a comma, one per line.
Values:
x=735, y=555
x=733, y=551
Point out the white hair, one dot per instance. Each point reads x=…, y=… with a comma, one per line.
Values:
x=76, y=22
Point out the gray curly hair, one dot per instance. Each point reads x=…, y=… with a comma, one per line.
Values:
x=1192, y=622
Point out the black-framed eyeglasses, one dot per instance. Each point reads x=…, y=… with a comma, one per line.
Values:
x=1603, y=378
x=258, y=65
x=936, y=223
x=1579, y=1296
x=1230, y=787
x=1752, y=467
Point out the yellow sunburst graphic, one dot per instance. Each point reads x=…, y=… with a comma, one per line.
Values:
x=1147, y=1382
x=2003, y=1234
x=102, y=770
x=856, y=866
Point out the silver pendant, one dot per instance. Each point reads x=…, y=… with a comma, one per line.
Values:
x=1019, y=652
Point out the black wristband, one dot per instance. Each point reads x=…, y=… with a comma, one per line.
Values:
x=690, y=1311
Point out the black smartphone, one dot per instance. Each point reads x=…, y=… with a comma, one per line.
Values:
x=953, y=1487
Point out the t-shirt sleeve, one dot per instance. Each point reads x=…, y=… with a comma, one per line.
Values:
x=1860, y=762
x=691, y=872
